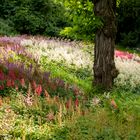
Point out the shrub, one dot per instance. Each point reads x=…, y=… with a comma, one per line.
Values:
x=6, y=27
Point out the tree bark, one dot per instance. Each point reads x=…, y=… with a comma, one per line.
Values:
x=104, y=65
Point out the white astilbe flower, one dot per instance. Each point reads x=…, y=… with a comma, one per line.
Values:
x=129, y=73
x=59, y=51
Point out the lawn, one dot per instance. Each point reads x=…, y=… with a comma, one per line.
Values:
x=46, y=92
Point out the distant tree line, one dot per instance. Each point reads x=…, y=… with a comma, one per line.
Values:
x=44, y=17
x=72, y=19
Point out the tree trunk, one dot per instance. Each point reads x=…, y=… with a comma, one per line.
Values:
x=104, y=65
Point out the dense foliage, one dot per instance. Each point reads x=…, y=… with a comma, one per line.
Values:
x=72, y=19
x=82, y=19
x=34, y=17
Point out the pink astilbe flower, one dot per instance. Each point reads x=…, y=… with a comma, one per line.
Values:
x=22, y=82
x=123, y=55
x=76, y=102
x=50, y=116
x=38, y=90
x=1, y=101
x=76, y=91
x=34, y=85
x=113, y=104
x=16, y=87
x=53, y=86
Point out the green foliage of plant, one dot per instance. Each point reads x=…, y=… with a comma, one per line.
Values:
x=6, y=27
x=107, y=123
x=83, y=22
x=34, y=17
x=100, y=121
x=72, y=75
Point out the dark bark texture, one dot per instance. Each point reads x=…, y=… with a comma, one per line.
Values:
x=104, y=65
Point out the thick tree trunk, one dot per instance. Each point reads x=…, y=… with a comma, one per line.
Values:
x=104, y=65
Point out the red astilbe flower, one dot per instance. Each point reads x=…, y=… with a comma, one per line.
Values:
x=1, y=87
x=10, y=83
x=11, y=74
x=69, y=103
x=38, y=90
x=2, y=77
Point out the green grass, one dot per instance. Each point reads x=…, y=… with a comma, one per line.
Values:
x=80, y=77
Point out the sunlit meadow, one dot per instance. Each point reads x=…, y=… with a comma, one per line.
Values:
x=46, y=92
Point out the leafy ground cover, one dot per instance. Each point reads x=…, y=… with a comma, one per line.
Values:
x=46, y=92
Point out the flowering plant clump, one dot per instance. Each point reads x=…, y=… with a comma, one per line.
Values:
x=59, y=50
x=19, y=67
x=26, y=56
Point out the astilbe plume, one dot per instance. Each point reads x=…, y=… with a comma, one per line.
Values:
x=34, y=85
x=68, y=103
x=11, y=74
x=10, y=83
x=38, y=90
x=22, y=82
x=95, y=101
x=76, y=102
x=50, y=116
x=28, y=99
x=46, y=94
x=1, y=101
x=2, y=77
x=123, y=55
x=113, y=104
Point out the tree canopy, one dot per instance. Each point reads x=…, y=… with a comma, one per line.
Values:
x=72, y=19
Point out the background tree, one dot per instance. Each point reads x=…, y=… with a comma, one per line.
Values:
x=82, y=20
x=128, y=11
x=104, y=65
x=44, y=17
